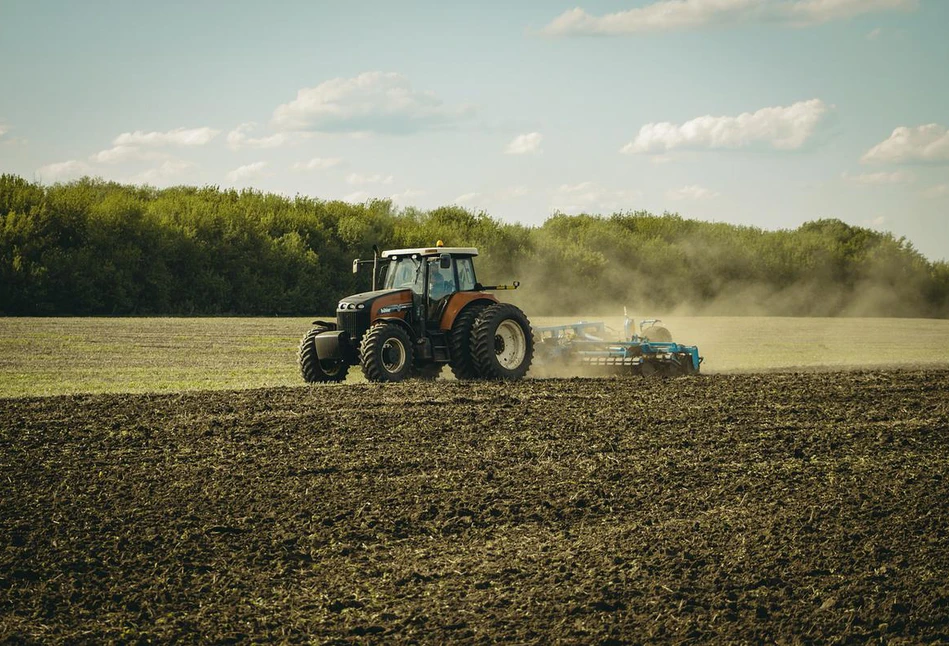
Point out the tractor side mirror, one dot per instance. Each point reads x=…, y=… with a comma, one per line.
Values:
x=356, y=266
x=444, y=261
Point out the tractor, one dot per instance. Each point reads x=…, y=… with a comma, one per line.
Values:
x=430, y=310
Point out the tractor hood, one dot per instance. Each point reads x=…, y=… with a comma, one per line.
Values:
x=378, y=301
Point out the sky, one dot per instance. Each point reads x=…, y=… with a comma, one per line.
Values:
x=768, y=113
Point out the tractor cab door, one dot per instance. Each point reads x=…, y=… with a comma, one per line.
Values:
x=445, y=280
x=442, y=283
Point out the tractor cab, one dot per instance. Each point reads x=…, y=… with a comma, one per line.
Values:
x=432, y=275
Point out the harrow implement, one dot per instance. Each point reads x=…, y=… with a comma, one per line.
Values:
x=586, y=344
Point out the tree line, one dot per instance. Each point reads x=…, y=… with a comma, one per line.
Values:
x=92, y=247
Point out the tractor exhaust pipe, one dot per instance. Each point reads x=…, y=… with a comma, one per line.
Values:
x=375, y=265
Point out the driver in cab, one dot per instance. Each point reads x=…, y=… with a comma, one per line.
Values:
x=441, y=284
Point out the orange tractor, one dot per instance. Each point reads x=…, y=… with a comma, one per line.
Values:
x=430, y=311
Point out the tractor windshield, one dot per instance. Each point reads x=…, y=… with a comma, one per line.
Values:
x=402, y=273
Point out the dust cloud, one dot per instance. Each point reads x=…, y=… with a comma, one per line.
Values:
x=820, y=315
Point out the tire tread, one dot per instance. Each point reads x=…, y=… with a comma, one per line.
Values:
x=482, y=342
x=309, y=360
x=462, y=362
x=369, y=356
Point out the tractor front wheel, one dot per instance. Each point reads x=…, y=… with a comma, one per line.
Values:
x=386, y=353
x=314, y=370
x=502, y=343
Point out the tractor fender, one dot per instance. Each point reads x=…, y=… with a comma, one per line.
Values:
x=458, y=302
x=397, y=320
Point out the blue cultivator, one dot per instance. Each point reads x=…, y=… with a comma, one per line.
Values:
x=585, y=344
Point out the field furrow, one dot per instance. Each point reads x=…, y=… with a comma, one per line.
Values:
x=785, y=507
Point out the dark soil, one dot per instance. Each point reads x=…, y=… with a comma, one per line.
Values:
x=759, y=508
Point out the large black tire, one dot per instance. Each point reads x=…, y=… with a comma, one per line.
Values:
x=462, y=363
x=502, y=342
x=386, y=353
x=314, y=370
x=657, y=333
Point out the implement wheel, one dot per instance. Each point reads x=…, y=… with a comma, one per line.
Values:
x=462, y=362
x=386, y=353
x=314, y=370
x=657, y=333
x=502, y=342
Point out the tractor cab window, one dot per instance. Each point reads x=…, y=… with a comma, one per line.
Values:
x=466, y=275
x=441, y=282
x=403, y=273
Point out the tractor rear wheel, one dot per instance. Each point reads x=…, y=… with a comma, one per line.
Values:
x=314, y=370
x=502, y=343
x=386, y=353
x=462, y=363
x=658, y=334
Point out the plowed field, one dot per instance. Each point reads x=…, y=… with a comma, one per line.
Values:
x=740, y=508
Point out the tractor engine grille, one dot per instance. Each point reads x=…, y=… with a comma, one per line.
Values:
x=354, y=323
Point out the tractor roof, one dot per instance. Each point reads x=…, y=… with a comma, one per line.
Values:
x=431, y=251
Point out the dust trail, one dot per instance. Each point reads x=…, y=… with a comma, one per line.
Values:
x=795, y=273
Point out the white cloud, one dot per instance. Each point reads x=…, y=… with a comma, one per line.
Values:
x=494, y=198
x=168, y=170
x=875, y=33
x=525, y=144
x=248, y=172
x=124, y=153
x=898, y=177
x=317, y=163
x=406, y=195
x=677, y=15
x=665, y=15
x=72, y=169
x=876, y=223
x=935, y=192
x=6, y=138
x=693, y=192
x=465, y=198
x=382, y=102
x=513, y=192
x=178, y=137
x=357, y=197
x=922, y=144
x=781, y=128
x=589, y=197
x=240, y=137
x=355, y=179
x=801, y=13
x=582, y=187
x=139, y=145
